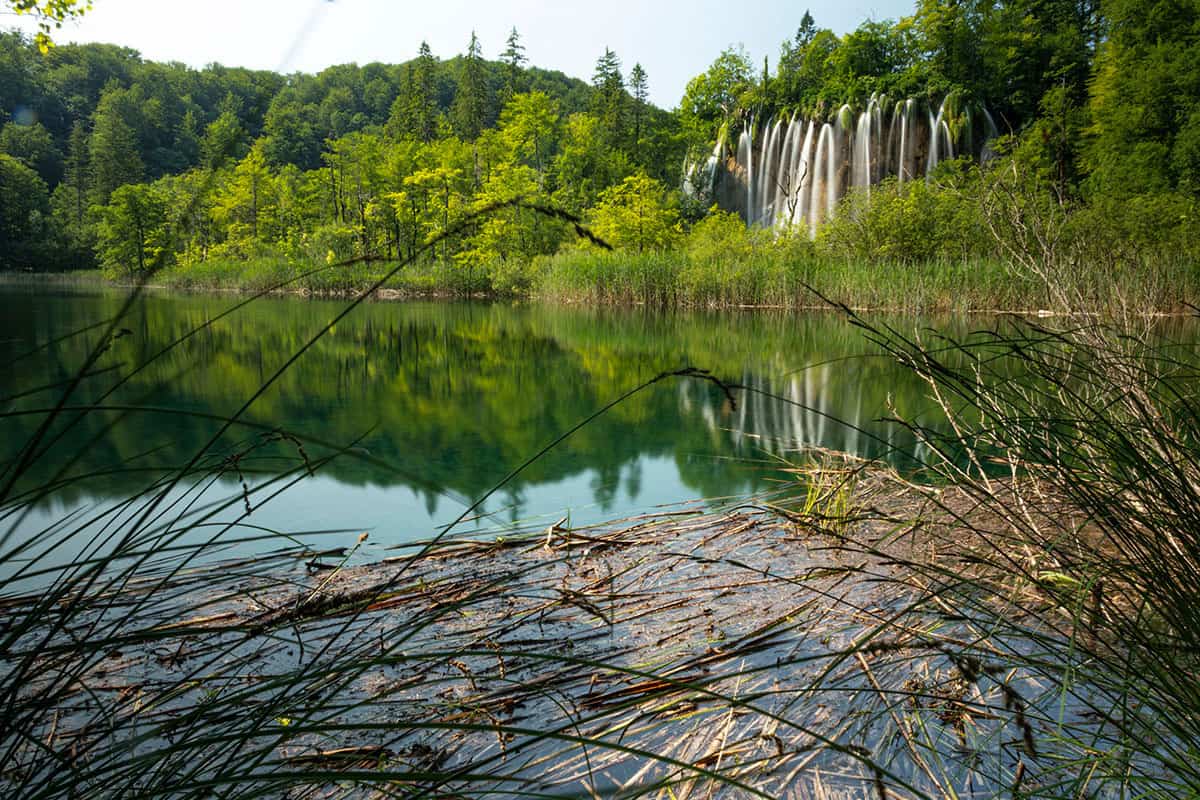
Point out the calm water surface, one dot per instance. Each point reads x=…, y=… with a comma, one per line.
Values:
x=437, y=403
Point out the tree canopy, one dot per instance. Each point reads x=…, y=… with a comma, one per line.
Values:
x=1102, y=98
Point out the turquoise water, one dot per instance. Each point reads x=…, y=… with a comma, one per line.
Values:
x=436, y=403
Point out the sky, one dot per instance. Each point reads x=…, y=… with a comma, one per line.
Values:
x=672, y=39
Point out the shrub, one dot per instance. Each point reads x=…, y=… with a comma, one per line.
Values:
x=910, y=222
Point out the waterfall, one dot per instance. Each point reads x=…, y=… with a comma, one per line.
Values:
x=766, y=177
x=907, y=154
x=784, y=190
x=835, y=174
x=802, y=178
x=795, y=170
x=861, y=163
x=700, y=179
x=990, y=132
x=745, y=161
x=821, y=177
x=940, y=140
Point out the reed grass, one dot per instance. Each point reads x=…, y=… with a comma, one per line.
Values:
x=775, y=274
x=784, y=279
x=343, y=280
x=1072, y=503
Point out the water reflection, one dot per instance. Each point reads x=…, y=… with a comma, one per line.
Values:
x=440, y=401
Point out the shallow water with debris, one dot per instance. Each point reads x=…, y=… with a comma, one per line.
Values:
x=767, y=650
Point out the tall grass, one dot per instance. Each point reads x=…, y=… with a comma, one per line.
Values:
x=785, y=278
x=344, y=279
x=1073, y=505
x=1062, y=529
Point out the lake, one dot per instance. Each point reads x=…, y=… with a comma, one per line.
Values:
x=431, y=404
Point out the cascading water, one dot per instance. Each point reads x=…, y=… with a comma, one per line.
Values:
x=821, y=176
x=699, y=179
x=745, y=159
x=794, y=171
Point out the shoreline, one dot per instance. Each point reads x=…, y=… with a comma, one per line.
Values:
x=387, y=295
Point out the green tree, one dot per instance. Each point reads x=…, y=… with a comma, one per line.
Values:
x=637, y=214
x=640, y=90
x=245, y=205
x=511, y=233
x=357, y=163
x=867, y=60
x=338, y=112
x=33, y=146
x=24, y=210
x=434, y=191
x=514, y=63
x=1145, y=99
x=224, y=141
x=415, y=112
x=187, y=137
x=77, y=175
x=472, y=103
x=608, y=96
x=806, y=68
x=69, y=202
x=132, y=231
x=806, y=31
x=529, y=124
x=586, y=164
x=293, y=133
x=712, y=97
x=114, y=149
x=950, y=34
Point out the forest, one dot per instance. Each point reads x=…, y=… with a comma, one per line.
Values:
x=231, y=177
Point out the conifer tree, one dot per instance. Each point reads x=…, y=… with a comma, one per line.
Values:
x=69, y=203
x=426, y=75
x=608, y=96
x=514, y=60
x=115, y=153
x=471, y=103
x=75, y=176
x=415, y=112
x=639, y=88
x=187, y=138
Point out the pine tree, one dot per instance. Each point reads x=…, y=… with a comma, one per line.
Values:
x=69, y=203
x=608, y=96
x=402, y=118
x=806, y=32
x=187, y=138
x=471, y=110
x=426, y=76
x=76, y=175
x=415, y=112
x=639, y=87
x=514, y=60
x=115, y=159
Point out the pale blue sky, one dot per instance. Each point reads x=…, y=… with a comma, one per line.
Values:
x=673, y=39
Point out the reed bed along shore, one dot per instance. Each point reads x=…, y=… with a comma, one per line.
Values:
x=674, y=280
